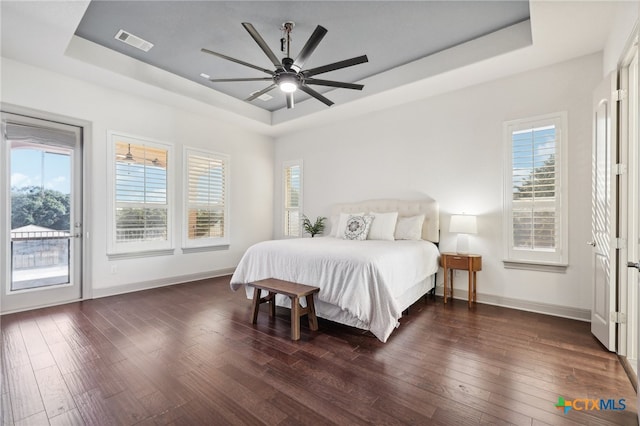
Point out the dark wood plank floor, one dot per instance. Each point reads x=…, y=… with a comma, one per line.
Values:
x=188, y=355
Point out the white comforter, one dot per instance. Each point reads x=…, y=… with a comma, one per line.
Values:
x=361, y=277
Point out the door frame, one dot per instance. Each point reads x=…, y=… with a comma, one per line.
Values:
x=86, y=131
x=628, y=199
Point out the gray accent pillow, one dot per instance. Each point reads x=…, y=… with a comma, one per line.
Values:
x=358, y=227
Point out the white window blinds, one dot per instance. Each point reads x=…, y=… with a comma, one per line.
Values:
x=141, y=193
x=535, y=217
x=206, y=198
x=140, y=212
x=533, y=193
x=292, y=198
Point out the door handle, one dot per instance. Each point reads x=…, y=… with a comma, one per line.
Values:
x=592, y=243
x=633, y=265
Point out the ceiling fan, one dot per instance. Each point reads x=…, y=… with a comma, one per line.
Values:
x=128, y=158
x=288, y=74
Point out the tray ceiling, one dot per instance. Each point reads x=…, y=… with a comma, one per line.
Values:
x=391, y=33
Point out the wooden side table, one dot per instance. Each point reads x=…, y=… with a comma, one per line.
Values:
x=467, y=262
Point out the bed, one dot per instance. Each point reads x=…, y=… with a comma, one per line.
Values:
x=365, y=284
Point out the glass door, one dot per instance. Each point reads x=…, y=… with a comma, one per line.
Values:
x=42, y=185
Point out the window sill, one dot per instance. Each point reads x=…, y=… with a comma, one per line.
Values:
x=137, y=254
x=535, y=266
x=187, y=250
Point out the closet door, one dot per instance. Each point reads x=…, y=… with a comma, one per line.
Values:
x=604, y=213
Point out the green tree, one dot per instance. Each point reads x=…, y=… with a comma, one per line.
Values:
x=138, y=224
x=33, y=205
x=539, y=183
x=534, y=226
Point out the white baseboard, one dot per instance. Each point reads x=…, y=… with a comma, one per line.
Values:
x=489, y=299
x=162, y=282
x=524, y=305
x=630, y=366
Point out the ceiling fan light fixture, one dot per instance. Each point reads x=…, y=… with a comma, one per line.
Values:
x=288, y=83
x=288, y=87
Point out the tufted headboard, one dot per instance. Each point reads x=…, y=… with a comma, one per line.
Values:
x=427, y=206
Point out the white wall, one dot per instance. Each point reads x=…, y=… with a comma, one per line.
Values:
x=450, y=147
x=251, y=170
x=625, y=20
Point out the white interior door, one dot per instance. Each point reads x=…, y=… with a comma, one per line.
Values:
x=603, y=218
x=41, y=185
x=633, y=215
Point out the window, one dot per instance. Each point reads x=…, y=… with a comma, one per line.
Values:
x=206, y=185
x=292, y=198
x=140, y=215
x=535, y=195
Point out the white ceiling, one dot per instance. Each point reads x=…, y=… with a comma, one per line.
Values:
x=42, y=34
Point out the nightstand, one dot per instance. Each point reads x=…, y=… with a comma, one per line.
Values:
x=467, y=262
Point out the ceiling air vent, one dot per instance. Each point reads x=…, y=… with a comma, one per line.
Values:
x=264, y=97
x=133, y=40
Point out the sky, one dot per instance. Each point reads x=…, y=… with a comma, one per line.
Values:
x=35, y=167
x=524, y=162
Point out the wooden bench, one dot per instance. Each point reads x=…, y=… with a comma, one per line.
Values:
x=294, y=291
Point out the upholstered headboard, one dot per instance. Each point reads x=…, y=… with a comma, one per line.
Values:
x=405, y=208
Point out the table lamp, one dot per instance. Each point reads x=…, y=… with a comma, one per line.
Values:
x=463, y=225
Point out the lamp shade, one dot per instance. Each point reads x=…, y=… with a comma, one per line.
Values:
x=463, y=224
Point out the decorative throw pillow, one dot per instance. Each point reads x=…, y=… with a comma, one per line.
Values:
x=358, y=227
x=383, y=226
x=409, y=228
x=341, y=224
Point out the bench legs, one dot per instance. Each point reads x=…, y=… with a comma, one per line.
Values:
x=295, y=318
x=257, y=300
x=297, y=311
x=311, y=313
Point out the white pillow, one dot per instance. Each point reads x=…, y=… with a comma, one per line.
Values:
x=341, y=224
x=409, y=228
x=383, y=226
x=358, y=227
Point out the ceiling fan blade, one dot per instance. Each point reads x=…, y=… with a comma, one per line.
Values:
x=315, y=94
x=260, y=93
x=263, y=44
x=334, y=84
x=225, y=80
x=290, y=101
x=311, y=44
x=336, y=66
x=237, y=61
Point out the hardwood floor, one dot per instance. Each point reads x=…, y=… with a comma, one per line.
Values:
x=189, y=355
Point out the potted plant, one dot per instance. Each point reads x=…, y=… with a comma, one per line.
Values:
x=316, y=228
